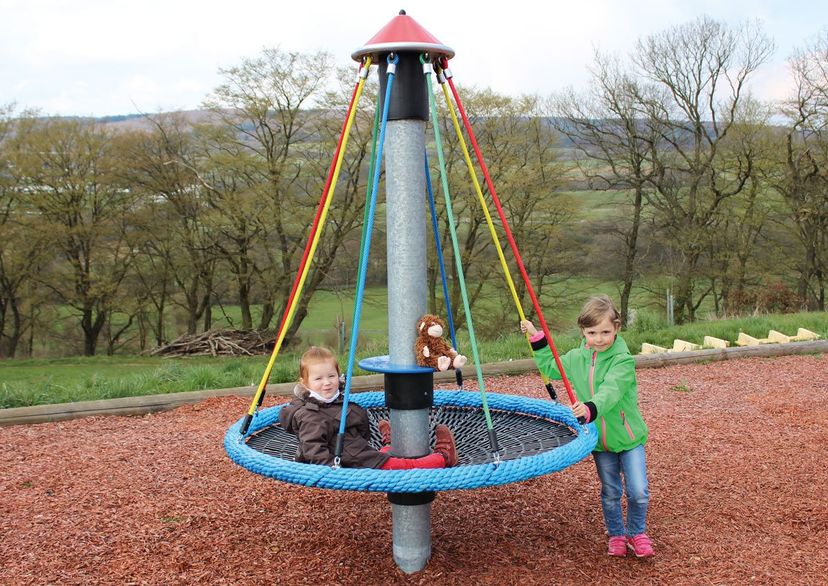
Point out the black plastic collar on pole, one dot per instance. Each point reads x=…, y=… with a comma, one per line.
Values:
x=411, y=499
x=408, y=391
x=409, y=100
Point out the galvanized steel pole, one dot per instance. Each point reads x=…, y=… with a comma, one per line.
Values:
x=409, y=389
x=407, y=294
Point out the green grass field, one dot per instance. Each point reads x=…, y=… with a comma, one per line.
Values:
x=61, y=380
x=324, y=308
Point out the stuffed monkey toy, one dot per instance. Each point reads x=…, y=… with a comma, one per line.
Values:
x=431, y=349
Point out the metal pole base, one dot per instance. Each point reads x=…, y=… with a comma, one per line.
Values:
x=412, y=536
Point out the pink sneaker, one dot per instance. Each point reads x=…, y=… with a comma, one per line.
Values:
x=617, y=546
x=641, y=545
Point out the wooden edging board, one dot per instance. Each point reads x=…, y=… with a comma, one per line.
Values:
x=144, y=404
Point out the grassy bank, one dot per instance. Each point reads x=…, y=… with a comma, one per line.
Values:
x=36, y=382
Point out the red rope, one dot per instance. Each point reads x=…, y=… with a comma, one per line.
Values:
x=509, y=237
x=324, y=198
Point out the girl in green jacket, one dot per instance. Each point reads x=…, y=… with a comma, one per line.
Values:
x=602, y=372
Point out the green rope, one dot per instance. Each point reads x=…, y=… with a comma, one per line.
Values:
x=457, y=261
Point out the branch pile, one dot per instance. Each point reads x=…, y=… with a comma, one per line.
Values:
x=218, y=343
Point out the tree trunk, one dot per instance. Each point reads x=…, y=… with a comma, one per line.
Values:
x=8, y=348
x=631, y=252
x=192, y=321
x=3, y=352
x=207, y=304
x=684, y=290
x=91, y=325
x=244, y=304
x=160, y=338
x=267, y=316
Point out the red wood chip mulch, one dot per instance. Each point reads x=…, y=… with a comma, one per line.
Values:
x=737, y=464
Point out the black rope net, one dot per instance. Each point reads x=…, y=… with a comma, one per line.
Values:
x=519, y=434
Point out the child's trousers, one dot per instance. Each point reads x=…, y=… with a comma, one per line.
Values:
x=632, y=465
x=432, y=460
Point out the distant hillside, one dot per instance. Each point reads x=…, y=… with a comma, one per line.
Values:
x=141, y=121
x=191, y=117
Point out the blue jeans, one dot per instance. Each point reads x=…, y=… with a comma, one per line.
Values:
x=633, y=466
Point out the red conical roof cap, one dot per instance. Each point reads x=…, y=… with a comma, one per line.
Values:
x=402, y=33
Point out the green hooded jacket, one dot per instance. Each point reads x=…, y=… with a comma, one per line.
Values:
x=607, y=380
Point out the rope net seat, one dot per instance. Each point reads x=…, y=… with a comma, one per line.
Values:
x=536, y=437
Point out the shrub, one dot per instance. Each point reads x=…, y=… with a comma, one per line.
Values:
x=740, y=302
x=778, y=298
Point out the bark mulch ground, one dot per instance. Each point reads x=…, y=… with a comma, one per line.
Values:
x=737, y=464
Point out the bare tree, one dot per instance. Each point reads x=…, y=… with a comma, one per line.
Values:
x=738, y=253
x=71, y=169
x=519, y=150
x=177, y=262
x=254, y=164
x=337, y=254
x=21, y=251
x=614, y=133
x=701, y=69
x=802, y=179
x=264, y=170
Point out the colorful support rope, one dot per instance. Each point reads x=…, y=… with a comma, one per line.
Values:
x=536, y=304
x=313, y=240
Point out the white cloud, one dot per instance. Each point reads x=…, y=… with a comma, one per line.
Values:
x=774, y=82
x=139, y=84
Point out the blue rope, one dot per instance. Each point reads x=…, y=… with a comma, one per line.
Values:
x=393, y=59
x=439, y=247
x=422, y=480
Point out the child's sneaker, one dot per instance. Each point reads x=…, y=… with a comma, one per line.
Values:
x=444, y=445
x=617, y=546
x=385, y=431
x=641, y=545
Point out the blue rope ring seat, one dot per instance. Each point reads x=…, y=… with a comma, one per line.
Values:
x=536, y=437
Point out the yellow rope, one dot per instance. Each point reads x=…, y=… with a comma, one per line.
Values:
x=506, y=272
x=316, y=236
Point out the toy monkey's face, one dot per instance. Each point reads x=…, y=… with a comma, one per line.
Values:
x=435, y=330
x=431, y=327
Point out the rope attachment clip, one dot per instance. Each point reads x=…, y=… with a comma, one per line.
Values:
x=426, y=61
x=392, y=59
x=364, y=68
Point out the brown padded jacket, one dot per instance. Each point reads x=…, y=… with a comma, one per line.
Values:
x=316, y=425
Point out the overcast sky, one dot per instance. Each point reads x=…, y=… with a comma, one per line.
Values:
x=104, y=57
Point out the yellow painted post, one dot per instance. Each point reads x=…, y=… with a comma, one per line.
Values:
x=746, y=340
x=651, y=349
x=685, y=346
x=802, y=334
x=778, y=337
x=711, y=342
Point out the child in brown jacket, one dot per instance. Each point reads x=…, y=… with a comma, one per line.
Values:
x=315, y=412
